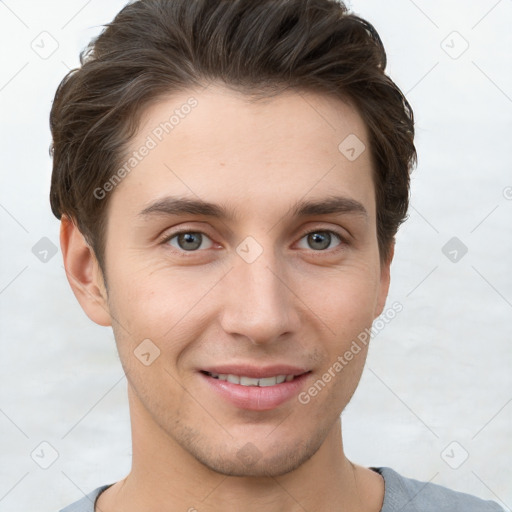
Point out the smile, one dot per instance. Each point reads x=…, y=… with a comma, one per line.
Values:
x=261, y=390
x=243, y=380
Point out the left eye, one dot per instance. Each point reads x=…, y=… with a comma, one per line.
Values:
x=189, y=241
x=320, y=240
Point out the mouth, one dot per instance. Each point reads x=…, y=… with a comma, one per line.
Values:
x=254, y=389
x=244, y=380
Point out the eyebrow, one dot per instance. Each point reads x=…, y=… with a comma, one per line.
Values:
x=302, y=208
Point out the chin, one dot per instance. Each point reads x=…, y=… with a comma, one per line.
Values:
x=248, y=460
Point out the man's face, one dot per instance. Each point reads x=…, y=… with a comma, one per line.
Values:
x=258, y=293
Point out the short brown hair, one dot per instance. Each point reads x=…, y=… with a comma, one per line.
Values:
x=156, y=47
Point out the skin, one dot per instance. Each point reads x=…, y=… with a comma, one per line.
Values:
x=294, y=304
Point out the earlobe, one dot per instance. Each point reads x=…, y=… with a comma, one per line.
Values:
x=83, y=273
x=385, y=278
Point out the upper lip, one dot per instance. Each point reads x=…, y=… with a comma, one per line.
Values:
x=256, y=372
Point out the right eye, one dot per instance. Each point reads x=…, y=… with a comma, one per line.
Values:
x=188, y=241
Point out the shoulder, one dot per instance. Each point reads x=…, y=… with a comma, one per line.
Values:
x=409, y=495
x=86, y=504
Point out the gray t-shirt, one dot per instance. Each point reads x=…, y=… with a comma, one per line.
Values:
x=401, y=494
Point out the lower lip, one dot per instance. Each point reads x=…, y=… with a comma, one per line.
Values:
x=256, y=398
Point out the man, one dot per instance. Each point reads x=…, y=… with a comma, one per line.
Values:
x=230, y=177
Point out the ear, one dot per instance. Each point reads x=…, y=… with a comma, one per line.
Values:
x=385, y=277
x=84, y=273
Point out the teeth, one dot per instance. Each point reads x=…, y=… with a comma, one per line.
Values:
x=248, y=381
x=234, y=379
x=251, y=381
x=268, y=381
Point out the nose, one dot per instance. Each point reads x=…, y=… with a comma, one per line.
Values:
x=257, y=301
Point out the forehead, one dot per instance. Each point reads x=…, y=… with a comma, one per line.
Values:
x=214, y=144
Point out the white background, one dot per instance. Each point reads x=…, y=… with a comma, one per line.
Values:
x=438, y=373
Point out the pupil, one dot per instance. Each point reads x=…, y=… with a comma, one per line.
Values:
x=318, y=237
x=186, y=241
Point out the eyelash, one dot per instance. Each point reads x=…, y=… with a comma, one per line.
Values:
x=187, y=254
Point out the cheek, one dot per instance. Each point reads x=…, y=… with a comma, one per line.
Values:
x=344, y=298
x=152, y=301
x=345, y=305
x=168, y=307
